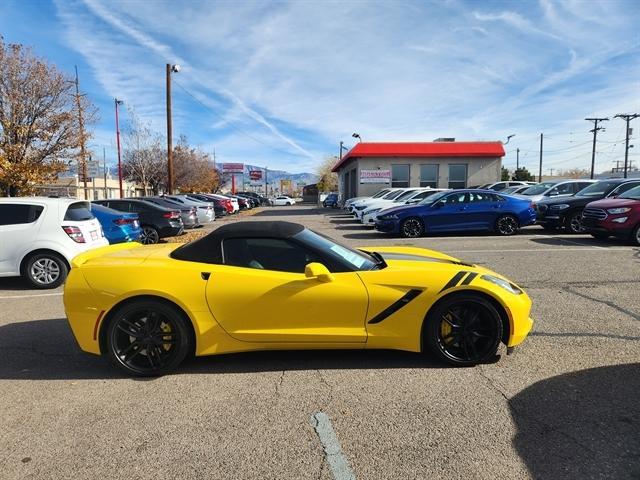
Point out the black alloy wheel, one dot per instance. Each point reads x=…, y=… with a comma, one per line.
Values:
x=412, y=227
x=507, y=225
x=288, y=203
x=463, y=330
x=149, y=235
x=45, y=270
x=574, y=223
x=635, y=236
x=147, y=338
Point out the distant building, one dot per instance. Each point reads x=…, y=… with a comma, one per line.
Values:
x=445, y=163
x=310, y=193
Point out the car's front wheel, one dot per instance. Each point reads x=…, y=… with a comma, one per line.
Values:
x=288, y=203
x=45, y=270
x=463, y=330
x=574, y=223
x=147, y=338
x=149, y=235
x=635, y=236
x=412, y=227
x=507, y=225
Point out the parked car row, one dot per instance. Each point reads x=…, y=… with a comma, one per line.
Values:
x=602, y=208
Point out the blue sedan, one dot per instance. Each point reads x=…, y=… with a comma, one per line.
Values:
x=118, y=226
x=459, y=210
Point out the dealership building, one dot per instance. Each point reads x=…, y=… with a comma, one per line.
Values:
x=444, y=163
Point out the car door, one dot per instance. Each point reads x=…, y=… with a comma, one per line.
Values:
x=19, y=227
x=262, y=295
x=481, y=211
x=448, y=213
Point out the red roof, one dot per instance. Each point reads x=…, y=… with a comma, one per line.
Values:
x=423, y=149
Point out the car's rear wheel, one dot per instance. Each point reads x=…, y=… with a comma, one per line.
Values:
x=574, y=223
x=463, y=330
x=507, y=225
x=149, y=235
x=288, y=203
x=45, y=270
x=147, y=338
x=412, y=227
x=635, y=236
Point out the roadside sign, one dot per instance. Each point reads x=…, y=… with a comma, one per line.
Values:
x=255, y=175
x=375, y=176
x=233, y=168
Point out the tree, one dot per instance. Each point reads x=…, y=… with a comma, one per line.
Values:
x=505, y=174
x=574, y=173
x=39, y=127
x=144, y=159
x=328, y=180
x=523, y=175
x=193, y=169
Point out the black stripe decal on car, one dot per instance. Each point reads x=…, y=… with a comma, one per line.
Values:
x=454, y=281
x=469, y=278
x=395, y=306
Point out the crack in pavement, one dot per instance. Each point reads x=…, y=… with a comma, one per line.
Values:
x=279, y=383
x=583, y=334
x=329, y=386
x=631, y=314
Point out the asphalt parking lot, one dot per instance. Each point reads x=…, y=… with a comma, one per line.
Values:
x=564, y=405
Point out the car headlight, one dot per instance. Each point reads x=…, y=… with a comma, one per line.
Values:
x=502, y=283
x=372, y=210
x=388, y=217
x=560, y=206
x=614, y=211
x=360, y=207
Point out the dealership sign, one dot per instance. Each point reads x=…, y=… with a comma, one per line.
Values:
x=255, y=175
x=233, y=168
x=375, y=176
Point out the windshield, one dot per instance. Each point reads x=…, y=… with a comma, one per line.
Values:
x=433, y=198
x=356, y=259
x=599, y=189
x=392, y=195
x=381, y=193
x=405, y=195
x=539, y=189
x=633, y=194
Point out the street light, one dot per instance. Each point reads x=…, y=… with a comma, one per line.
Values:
x=119, y=102
x=170, y=69
x=355, y=135
x=509, y=138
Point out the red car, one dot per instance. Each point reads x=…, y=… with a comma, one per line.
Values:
x=618, y=217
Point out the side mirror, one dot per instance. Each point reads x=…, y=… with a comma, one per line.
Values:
x=318, y=271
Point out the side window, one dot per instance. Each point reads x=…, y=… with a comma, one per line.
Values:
x=499, y=186
x=455, y=199
x=267, y=254
x=562, y=189
x=120, y=206
x=19, y=214
x=475, y=197
x=623, y=188
x=78, y=212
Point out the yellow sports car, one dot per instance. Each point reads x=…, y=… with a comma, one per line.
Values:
x=277, y=285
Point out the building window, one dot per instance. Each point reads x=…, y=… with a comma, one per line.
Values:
x=457, y=176
x=429, y=176
x=399, y=176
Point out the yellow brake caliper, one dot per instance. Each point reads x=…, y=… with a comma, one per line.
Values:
x=446, y=329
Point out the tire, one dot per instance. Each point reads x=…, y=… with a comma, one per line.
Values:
x=600, y=235
x=149, y=235
x=469, y=346
x=45, y=270
x=574, y=223
x=288, y=203
x=635, y=235
x=147, y=338
x=412, y=227
x=507, y=225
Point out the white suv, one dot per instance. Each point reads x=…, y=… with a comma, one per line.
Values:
x=39, y=236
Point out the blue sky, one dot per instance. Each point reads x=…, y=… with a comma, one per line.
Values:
x=281, y=83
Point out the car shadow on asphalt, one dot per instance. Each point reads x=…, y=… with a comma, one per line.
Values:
x=582, y=424
x=577, y=241
x=47, y=350
x=288, y=211
x=18, y=283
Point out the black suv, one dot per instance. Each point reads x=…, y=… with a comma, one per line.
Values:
x=261, y=200
x=566, y=212
x=156, y=222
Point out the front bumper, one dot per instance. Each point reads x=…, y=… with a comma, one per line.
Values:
x=386, y=226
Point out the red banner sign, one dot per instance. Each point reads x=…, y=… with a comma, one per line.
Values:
x=255, y=174
x=232, y=167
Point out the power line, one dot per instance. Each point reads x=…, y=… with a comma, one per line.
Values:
x=626, y=118
x=595, y=131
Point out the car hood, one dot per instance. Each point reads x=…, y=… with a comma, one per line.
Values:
x=403, y=208
x=614, y=202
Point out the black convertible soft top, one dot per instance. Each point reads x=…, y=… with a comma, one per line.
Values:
x=209, y=249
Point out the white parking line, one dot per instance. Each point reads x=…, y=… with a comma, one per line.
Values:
x=557, y=249
x=32, y=296
x=332, y=449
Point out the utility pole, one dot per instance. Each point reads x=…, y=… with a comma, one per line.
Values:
x=517, y=159
x=540, y=170
x=170, y=69
x=266, y=193
x=83, y=158
x=551, y=172
x=628, y=119
x=595, y=133
x=104, y=170
x=118, y=102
